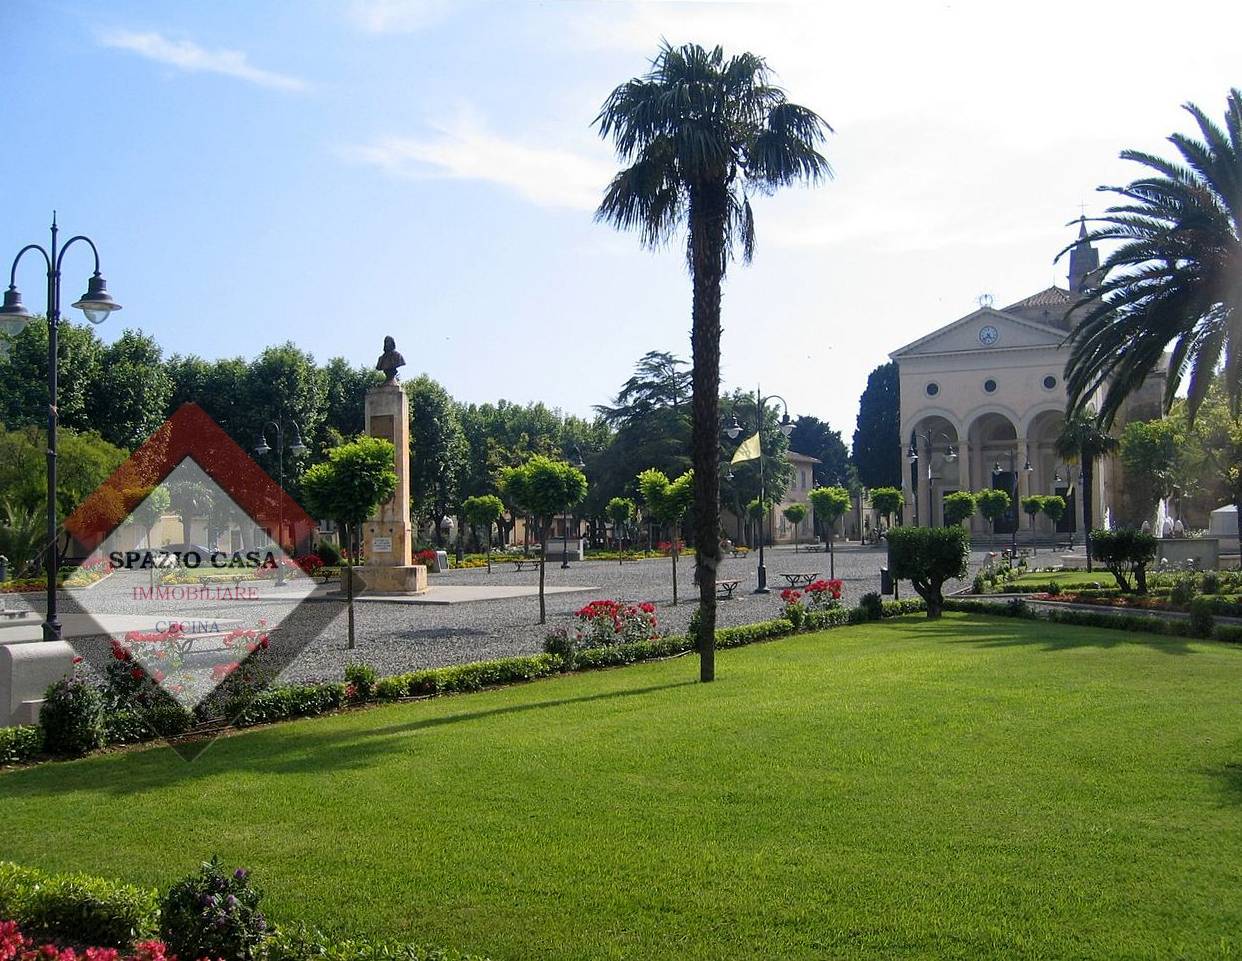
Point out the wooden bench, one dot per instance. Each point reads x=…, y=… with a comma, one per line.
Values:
x=799, y=578
x=725, y=589
x=522, y=563
x=14, y=615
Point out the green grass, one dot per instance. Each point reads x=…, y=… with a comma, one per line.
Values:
x=969, y=788
x=1066, y=579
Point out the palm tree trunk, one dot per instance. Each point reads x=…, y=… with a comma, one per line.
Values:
x=708, y=210
x=1088, y=509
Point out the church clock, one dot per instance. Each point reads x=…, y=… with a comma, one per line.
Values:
x=988, y=335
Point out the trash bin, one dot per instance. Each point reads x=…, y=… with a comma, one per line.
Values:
x=886, y=581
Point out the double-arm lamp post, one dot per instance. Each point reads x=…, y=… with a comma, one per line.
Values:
x=297, y=447
x=734, y=430
x=1013, y=497
x=96, y=304
x=912, y=455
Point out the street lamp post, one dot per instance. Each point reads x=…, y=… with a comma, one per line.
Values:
x=912, y=455
x=1013, y=497
x=734, y=430
x=261, y=448
x=96, y=304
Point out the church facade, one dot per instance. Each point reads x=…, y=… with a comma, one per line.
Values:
x=983, y=400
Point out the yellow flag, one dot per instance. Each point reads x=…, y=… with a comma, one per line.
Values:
x=748, y=450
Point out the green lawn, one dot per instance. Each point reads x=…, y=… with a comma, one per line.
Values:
x=1066, y=579
x=972, y=788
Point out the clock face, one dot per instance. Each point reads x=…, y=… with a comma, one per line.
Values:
x=988, y=335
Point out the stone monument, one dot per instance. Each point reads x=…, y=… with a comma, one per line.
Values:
x=388, y=538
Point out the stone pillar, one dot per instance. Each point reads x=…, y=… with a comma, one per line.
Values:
x=388, y=537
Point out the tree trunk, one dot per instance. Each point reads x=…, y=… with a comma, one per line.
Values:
x=1088, y=509
x=707, y=216
x=832, y=557
x=543, y=562
x=349, y=587
x=674, y=569
x=1238, y=504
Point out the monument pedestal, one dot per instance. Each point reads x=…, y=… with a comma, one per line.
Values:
x=388, y=538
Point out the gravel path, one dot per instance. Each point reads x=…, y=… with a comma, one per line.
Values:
x=395, y=637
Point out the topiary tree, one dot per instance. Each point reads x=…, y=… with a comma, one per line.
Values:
x=927, y=557
x=622, y=512
x=668, y=501
x=542, y=488
x=958, y=507
x=1053, y=507
x=355, y=479
x=484, y=510
x=993, y=505
x=1125, y=552
x=1031, y=506
x=830, y=503
x=795, y=514
x=887, y=501
x=757, y=510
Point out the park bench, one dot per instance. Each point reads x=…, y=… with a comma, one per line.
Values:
x=522, y=563
x=799, y=578
x=14, y=615
x=326, y=574
x=739, y=552
x=725, y=589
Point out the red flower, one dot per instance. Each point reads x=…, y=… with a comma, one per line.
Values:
x=158, y=677
x=136, y=673
x=263, y=642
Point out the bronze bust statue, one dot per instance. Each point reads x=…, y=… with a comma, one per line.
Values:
x=389, y=361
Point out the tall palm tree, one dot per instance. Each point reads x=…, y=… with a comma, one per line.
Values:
x=701, y=133
x=1176, y=278
x=1083, y=441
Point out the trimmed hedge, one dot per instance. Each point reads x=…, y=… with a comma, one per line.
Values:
x=1141, y=623
x=77, y=908
x=295, y=700
x=21, y=743
x=467, y=677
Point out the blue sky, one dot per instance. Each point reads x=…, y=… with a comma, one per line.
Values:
x=330, y=172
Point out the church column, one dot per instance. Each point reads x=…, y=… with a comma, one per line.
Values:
x=905, y=485
x=925, y=495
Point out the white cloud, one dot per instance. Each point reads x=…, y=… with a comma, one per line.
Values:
x=396, y=16
x=465, y=149
x=190, y=57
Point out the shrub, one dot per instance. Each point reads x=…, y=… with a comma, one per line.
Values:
x=131, y=725
x=390, y=688
x=214, y=914
x=1210, y=583
x=1230, y=633
x=1125, y=552
x=927, y=557
x=792, y=611
x=77, y=908
x=360, y=681
x=560, y=643
x=1183, y=590
x=979, y=585
x=873, y=604
x=1201, y=619
x=21, y=743
x=328, y=553
x=72, y=718
x=604, y=622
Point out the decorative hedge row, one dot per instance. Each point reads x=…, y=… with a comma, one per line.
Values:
x=1142, y=623
x=21, y=743
x=77, y=908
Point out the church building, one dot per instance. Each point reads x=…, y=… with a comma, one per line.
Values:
x=983, y=399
